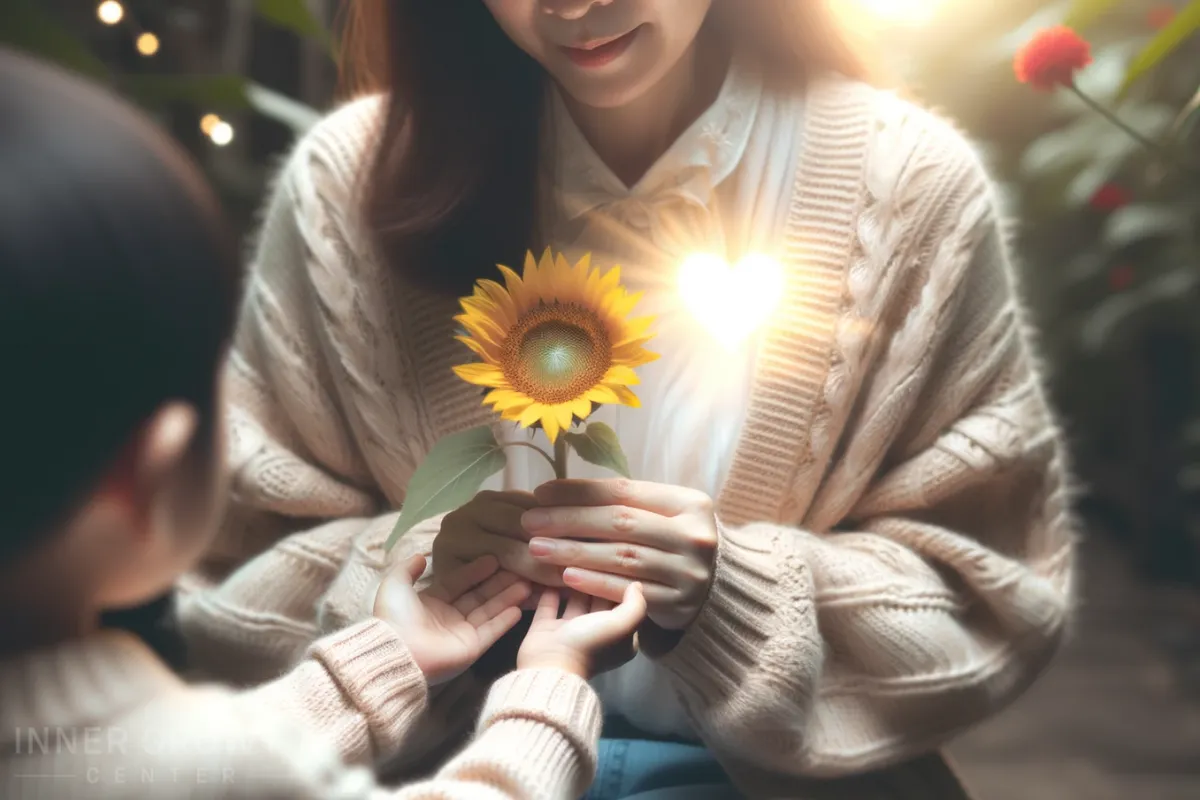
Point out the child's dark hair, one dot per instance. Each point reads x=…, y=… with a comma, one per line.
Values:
x=118, y=290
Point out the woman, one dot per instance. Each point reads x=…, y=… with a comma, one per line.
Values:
x=866, y=549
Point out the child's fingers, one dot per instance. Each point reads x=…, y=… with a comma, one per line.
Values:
x=547, y=608
x=416, y=568
x=473, y=598
x=509, y=597
x=577, y=605
x=626, y=617
x=458, y=581
x=490, y=632
x=599, y=604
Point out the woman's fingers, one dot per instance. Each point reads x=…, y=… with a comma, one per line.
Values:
x=500, y=513
x=457, y=582
x=609, y=523
x=612, y=587
x=629, y=560
x=471, y=542
x=659, y=498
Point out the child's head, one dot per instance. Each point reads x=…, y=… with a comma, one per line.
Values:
x=118, y=292
x=454, y=187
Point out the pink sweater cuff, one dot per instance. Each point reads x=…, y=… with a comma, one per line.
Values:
x=372, y=665
x=557, y=715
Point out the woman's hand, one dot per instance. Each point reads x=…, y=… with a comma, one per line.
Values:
x=662, y=536
x=490, y=524
x=450, y=625
x=590, y=636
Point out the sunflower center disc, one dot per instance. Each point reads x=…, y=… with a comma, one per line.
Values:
x=556, y=353
x=560, y=354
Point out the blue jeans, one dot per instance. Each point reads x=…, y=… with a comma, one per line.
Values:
x=640, y=769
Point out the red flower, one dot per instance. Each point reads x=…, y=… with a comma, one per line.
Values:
x=1110, y=197
x=1051, y=58
x=1121, y=278
x=1160, y=16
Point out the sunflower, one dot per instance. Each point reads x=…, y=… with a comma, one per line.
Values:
x=554, y=342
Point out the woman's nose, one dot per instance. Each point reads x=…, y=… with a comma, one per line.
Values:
x=571, y=9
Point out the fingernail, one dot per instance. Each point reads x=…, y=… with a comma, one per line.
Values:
x=571, y=576
x=542, y=547
x=535, y=518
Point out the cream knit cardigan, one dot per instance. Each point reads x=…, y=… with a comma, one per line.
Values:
x=896, y=558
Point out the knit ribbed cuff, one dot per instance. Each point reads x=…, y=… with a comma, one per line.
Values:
x=374, y=668
x=552, y=699
x=758, y=590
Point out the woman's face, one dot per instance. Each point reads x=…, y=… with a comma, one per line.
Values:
x=604, y=53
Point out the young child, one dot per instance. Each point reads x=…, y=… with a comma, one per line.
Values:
x=851, y=513
x=118, y=292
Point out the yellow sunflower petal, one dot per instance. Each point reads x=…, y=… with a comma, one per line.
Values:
x=531, y=415
x=488, y=352
x=483, y=328
x=505, y=399
x=634, y=329
x=523, y=299
x=633, y=355
x=497, y=294
x=581, y=407
x=550, y=424
x=619, y=374
x=601, y=394
x=482, y=375
x=626, y=397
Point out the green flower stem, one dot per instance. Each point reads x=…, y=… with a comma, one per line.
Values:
x=1140, y=138
x=537, y=450
x=560, y=456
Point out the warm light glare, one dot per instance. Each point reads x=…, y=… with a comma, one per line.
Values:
x=110, y=12
x=731, y=301
x=147, y=44
x=897, y=12
x=208, y=122
x=221, y=133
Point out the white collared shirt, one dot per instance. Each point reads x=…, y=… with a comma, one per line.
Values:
x=723, y=187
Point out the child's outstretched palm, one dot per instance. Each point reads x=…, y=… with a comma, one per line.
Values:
x=450, y=625
x=590, y=635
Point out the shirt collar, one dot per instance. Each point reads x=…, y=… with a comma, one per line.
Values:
x=693, y=166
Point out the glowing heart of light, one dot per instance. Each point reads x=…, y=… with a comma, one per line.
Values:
x=731, y=301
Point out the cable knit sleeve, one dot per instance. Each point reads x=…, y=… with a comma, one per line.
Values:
x=929, y=581
x=536, y=740
x=304, y=504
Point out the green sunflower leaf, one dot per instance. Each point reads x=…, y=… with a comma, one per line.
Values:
x=598, y=444
x=448, y=477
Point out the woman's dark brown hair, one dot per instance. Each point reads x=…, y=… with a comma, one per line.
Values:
x=454, y=186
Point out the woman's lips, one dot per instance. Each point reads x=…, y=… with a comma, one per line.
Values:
x=594, y=55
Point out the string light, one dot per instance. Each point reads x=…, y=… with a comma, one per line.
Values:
x=221, y=134
x=147, y=44
x=110, y=12
x=208, y=122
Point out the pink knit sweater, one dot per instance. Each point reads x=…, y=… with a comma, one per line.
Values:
x=897, y=548
x=102, y=717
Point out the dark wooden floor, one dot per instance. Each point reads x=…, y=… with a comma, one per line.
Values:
x=1118, y=715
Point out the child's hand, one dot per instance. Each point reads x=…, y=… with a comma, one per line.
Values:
x=583, y=639
x=450, y=625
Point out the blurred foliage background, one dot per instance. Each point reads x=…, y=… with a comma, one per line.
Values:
x=1106, y=230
